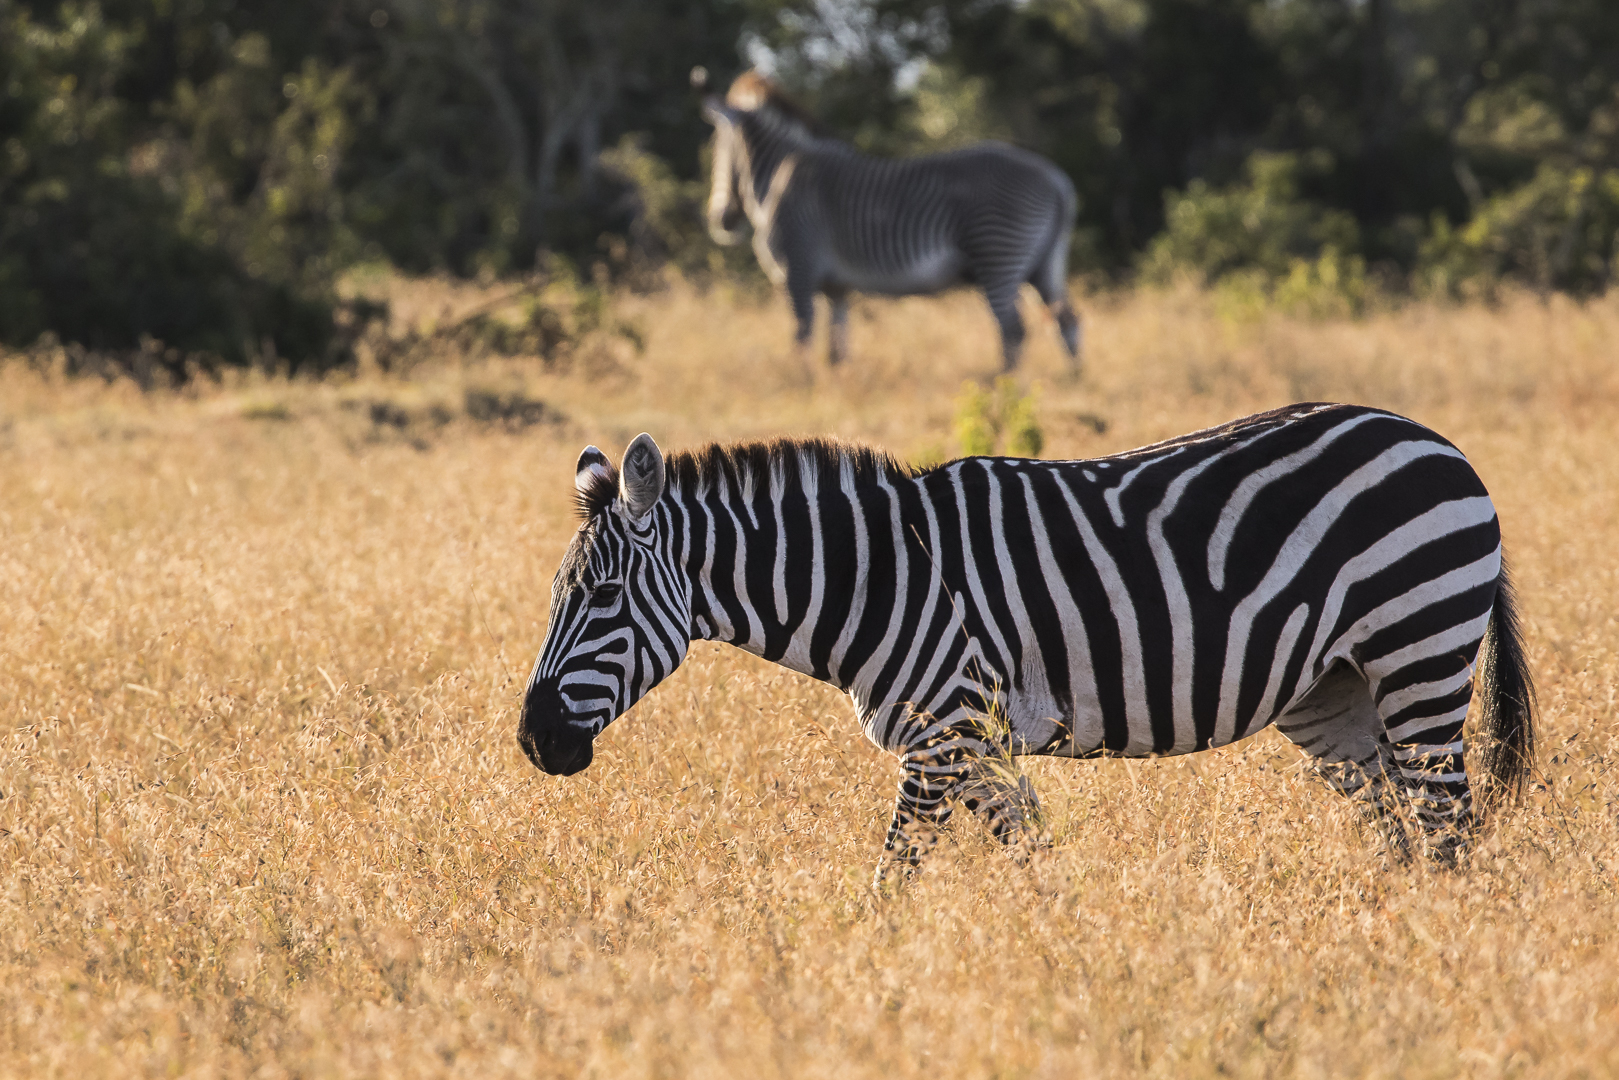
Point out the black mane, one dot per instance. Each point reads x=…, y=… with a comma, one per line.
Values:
x=596, y=497
x=753, y=83
x=692, y=472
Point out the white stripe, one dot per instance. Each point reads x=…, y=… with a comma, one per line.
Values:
x=1428, y=691
x=1405, y=731
x=1083, y=700
x=866, y=676
x=1279, y=662
x=1133, y=675
x=862, y=563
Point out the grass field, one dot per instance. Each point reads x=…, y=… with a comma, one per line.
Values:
x=262, y=811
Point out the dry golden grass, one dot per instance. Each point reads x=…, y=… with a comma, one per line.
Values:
x=262, y=812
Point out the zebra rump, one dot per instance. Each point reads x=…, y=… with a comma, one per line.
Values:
x=1329, y=569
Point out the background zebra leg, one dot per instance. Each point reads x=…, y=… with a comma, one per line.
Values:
x=803, y=299
x=838, y=345
x=1003, y=303
x=1048, y=282
x=1069, y=326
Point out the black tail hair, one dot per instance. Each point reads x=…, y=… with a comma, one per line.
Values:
x=1508, y=694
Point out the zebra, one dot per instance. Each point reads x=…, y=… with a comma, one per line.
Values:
x=1333, y=570
x=829, y=219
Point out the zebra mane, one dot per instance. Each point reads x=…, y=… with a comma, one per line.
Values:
x=752, y=91
x=751, y=466
x=597, y=496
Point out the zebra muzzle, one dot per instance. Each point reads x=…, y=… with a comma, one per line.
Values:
x=555, y=740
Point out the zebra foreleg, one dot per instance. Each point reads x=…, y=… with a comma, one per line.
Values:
x=838, y=346
x=1003, y=303
x=920, y=811
x=802, y=295
x=958, y=771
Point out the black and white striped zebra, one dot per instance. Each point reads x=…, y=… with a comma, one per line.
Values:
x=828, y=219
x=1329, y=569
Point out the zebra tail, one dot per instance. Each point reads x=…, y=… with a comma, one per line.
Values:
x=1508, y=696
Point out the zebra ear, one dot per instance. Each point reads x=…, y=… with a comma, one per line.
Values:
x=593, y=468
x=640, y=477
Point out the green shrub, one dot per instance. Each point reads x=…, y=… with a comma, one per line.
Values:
x=1259, y=244
x=984, y=417
x=1557, y=231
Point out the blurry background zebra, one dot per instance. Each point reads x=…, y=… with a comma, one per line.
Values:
x=1331, y=569
x=827, y=219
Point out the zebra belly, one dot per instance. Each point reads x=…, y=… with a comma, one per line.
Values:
x=931, y=272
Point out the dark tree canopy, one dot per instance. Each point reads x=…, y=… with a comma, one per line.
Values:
x=199, y=172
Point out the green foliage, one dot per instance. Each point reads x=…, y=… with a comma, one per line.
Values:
x=1262, y=245
x=1261, y=225
x=667, y=226
x=107, y=235
x=1558, y=228
x=1004, y=414
x=199, y=174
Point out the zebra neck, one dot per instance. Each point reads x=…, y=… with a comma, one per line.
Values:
x=770, y=141
x=785, y=572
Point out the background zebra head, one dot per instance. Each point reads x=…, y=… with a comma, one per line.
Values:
x=620, y=610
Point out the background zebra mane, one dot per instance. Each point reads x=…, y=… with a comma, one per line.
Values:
x=746, y=466
x=751, y=91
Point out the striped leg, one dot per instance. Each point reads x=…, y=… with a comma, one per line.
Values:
x=1002, y=297
x=801, y=291
x=838, y=343
x=957, y=768
x=1423, y=706
x=1048, y=280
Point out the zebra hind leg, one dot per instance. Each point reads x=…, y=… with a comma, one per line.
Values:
x=803, y=300
x=1337, y=725
x=1423, y=707
x=1048, y=282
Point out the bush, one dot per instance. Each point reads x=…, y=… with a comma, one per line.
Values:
x=103, y=243
x=1260, y=244
x=1558, y=231
x=983, y=417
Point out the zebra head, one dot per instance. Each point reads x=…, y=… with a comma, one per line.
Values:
x=726, y=208
x=620, y=611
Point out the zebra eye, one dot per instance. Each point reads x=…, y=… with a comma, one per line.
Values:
x=605, y=594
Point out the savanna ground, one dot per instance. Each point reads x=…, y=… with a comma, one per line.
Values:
x=262, y=811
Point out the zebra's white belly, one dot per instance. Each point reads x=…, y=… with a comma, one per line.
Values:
x=938, y=269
